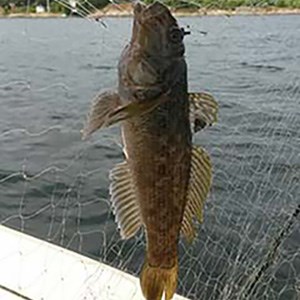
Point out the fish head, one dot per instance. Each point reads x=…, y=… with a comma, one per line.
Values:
x=155, y=52
x=156, y=32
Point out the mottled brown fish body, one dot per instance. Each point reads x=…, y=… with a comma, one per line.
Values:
x=164, y=180
x=158, y=148
x=157, y=144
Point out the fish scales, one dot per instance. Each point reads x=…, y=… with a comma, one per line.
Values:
x=158, y=147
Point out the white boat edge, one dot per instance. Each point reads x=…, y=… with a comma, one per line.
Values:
x=38, y=270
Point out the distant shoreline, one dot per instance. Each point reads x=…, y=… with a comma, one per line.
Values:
x=32, y=16
x=114, y=11
x=126, y=11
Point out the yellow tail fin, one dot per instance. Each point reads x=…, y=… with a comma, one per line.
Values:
x=155, y=281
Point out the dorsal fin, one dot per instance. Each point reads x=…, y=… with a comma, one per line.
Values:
x=123, y=200
x=203, y=110
x=199, y=186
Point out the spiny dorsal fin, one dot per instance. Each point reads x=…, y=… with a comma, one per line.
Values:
x=199, y=186
x=123, y=200
x=203, y=110
x=103, y=105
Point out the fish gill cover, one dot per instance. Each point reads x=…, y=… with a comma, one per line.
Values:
x=55, y=186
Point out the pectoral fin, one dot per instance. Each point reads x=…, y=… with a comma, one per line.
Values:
x=103, y=105
x=107, y=110
x=203, y=110
x=134, y=109
x=199, y=186
x=124, y=200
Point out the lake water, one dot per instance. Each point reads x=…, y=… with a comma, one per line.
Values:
x=55, y=186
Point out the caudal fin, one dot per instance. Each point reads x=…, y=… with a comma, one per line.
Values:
x=157, y=281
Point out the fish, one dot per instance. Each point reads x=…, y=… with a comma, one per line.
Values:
x=164, y=180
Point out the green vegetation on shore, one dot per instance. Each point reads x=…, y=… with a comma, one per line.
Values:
x=228, y=4
x=62, y=6
x=55, y=6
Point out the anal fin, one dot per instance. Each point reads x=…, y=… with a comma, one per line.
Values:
x=199, y=186
x=203, y=110
x=124, y=200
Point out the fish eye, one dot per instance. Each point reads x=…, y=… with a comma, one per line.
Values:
x=176, y=35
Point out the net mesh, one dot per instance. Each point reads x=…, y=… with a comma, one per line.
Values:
x=55, y=187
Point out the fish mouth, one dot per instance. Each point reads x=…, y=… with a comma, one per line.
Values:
x=138, y=8
x=152, y=26
x=144, y=12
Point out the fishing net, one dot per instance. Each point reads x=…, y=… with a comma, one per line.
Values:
x=55, y=186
